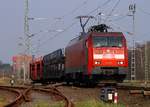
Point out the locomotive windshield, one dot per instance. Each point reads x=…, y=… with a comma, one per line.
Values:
x=107, y=41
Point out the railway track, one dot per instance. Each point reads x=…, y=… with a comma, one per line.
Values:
x=17, y=99
x=127, y=95
x=21, y=96
x=56, y=92
x=24, y=93
x=24, y=96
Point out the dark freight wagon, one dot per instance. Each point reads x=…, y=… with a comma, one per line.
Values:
x=53, y=65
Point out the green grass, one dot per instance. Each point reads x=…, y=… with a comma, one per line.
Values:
x=90, y=103
x=4, y=81
x=2, y=101
x=47, y=104
x=94, y=103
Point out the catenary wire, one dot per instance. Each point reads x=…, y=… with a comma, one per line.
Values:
x=105, y=3
x=113, y=9
x=74, y=10
x=65, y=15
x=143, y=11
x=57, y=34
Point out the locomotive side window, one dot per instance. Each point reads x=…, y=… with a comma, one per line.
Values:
x=107, y=41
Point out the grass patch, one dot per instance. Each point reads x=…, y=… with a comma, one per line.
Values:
x=2, y=101
x=90, y=103
x=47, y=104
x=94, y=103
x=4, y=81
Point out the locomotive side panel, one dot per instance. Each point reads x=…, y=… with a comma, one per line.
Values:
x=76, y=57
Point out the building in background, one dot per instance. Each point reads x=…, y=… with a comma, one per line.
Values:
x=21, y=66
x=5, y=70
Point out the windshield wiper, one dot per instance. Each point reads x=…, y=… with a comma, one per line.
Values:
x=114, y=46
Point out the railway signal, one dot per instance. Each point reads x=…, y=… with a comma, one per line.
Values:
x=109, y=94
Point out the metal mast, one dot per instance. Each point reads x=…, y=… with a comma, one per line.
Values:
x=146, y=63
x=132, y=9
x=27, y=39
x=26, y=27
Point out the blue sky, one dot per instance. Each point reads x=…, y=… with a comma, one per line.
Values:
x=59, y=15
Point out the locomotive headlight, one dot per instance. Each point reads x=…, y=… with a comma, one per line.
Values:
x=120, y=62
x=97, y=62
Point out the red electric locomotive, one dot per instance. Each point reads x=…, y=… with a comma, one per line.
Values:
x=97, y=55
x=92, y=57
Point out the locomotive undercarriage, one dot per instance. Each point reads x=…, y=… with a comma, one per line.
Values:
x=117, y=74
x=109, y=73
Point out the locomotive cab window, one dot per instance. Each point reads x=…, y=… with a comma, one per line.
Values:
x=107, y=41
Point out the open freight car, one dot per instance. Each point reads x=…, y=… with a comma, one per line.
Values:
x=49, y=68
x=36, y=69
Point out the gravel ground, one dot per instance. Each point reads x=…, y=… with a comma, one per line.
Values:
x=133, y=100
x=83, y=94
x=38, y=98
x=80, y=94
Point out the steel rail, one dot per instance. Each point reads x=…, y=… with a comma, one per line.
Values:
x=55, y=91
x=17, y=100
x=21, y=96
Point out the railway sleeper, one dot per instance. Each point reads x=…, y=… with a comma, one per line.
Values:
x=146, y=93
x=136, y=91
